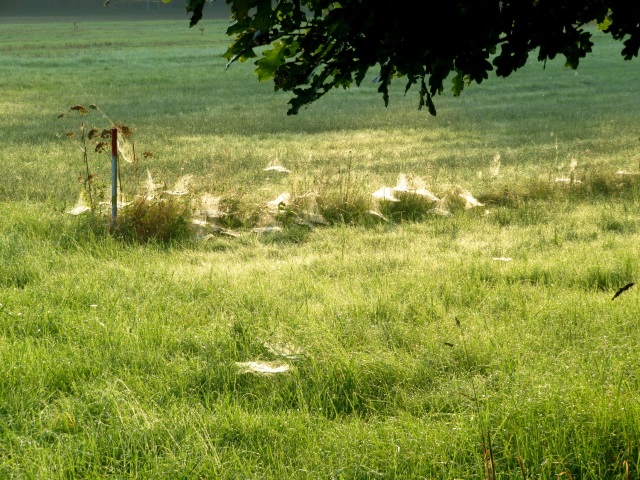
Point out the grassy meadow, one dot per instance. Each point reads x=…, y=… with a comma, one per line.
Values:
x=479, y=344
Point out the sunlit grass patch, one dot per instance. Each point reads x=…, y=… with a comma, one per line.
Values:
x=305, y=327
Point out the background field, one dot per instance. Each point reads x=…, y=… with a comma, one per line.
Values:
x=411, y=349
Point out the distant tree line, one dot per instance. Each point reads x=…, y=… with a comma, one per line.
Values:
x=67, y=7
x=93, y=7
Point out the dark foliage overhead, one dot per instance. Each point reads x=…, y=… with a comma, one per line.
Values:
x=316, y=45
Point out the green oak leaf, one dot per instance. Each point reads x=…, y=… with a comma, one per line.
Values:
x=271, y=59
x=605, y=24
x=458, y=83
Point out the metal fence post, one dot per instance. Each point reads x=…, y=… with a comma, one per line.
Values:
x=114, y=176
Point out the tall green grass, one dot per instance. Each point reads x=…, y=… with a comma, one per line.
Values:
x=412, y=346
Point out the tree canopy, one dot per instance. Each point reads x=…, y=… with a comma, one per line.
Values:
x=313, y=46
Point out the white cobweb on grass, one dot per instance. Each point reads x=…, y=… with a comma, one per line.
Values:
x=413, y=186
x=277, y=168
x=81, y=206
x=281, y=200
x=262, y=368
x=182, y=187
x=470, y=200
x=386, y=194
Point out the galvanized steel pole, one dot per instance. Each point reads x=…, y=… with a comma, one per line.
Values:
x=114, y=176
